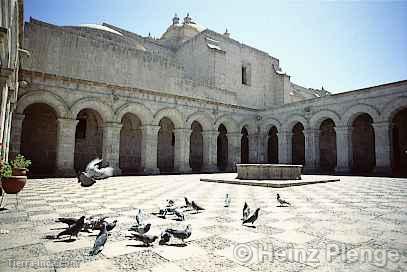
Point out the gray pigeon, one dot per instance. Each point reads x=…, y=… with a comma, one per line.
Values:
x=246, y=211
x=140, y=218
x=180, y=234
x=97, y=169
x=67, y=220
x=282, y=201
x=196, y=207
x=73, y=229
x=141, y=229
x=187, y=203
x=100, y=240
x=145, y=238
x=253, y=217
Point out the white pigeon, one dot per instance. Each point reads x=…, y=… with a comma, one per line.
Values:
x=140, y=218
x=94, y=171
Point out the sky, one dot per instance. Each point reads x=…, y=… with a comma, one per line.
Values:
x=340, y=45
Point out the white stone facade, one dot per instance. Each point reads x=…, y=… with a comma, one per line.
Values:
x=180, y=103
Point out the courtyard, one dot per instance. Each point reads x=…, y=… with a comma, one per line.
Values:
x=356, y=224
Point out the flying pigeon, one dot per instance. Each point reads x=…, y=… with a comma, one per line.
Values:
x=73, y=229
x=187, y=203
x=145, y=238
x=96, y=223
x=253, y=217
x=140, y=218
x=100, y=240
x=165, y=238
x=246, y=211
x=67, y=220
x=141, y=229
x=180, y=234
x=196, y=207
x=282, y=201
x=179, y=214
x=95, y=170
x=227, y=200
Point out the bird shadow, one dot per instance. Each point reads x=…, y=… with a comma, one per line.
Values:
x=177, y=219
x=70, y=240
x=57, y=228
x=139, y=245
x=283, y=206
x=3, y=209
x=252, y=227
x=50, y=237
x=175, y=245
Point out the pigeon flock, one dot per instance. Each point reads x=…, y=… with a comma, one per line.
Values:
x=98, y=169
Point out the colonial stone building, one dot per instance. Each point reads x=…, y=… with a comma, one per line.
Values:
x=191, y=100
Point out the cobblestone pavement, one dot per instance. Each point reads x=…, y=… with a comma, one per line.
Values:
x=357, y=224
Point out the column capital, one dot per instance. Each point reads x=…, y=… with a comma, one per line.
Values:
x=153, y=129
x=64, y=121
x=112, y=125
x=343, y=129
x=210, y=133
x=179, y=131
x=382, y=125
x=18, y=116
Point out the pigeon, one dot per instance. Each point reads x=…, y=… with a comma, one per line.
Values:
x=67, y=220
x=187, y=203
x=110, y=226
x=179, y=214
x=180, y=234
x=227, y=200
x=196, y=207
x=140, y=218
x=73, y=229
x=145, y=238
x=246, y=211
x=170, y=202
x=141, y=229
x=253, y=217
x=165, y=238
x=100, y=240
x=282, y=201
x=96, y=169
x=96, y=223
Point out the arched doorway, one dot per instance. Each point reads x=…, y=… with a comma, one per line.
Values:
x=399, y=144
x=222, y=148
x=363, y=145
x=298, y=144
x=165, y=148
x=327, y=146
x=130, y=144
x=272, y=145
x=196, y=147
x=39, y=138
x=88, y=138
x=244, y=146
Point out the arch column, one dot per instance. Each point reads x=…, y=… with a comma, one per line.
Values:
x=149, y=149
x=382, y=147
x=181, y=155
x=343, y=149
x=17, y=127
x=253, y=147
x=209, y=150
x=111, y=145
x=311, y=150
x=65, y=147
x=285, y=147
x=233, y=150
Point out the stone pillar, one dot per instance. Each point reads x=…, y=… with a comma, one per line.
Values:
x=149, y=149
x=311, y=150
x=253, y=145
x=343, y=149
x=209, y=150
x=7, y=128
x=65, y=147
x=382, y=148
x=111, y=145
x=285, y=139
x=181, y=150
x=16, y=129
x=233, y=150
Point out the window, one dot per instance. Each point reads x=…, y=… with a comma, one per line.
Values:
x=244, y=75
x=80, y=132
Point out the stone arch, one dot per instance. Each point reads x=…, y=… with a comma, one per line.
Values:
x=171, y=113
x=363, y=144
x=272, y=144
x=131, y=140
x=95, y=104
x=204, y=119
x=327, y=145
x=229, y=123
x=319, y=117
x=138, y=109
x=166, y=145
x=196, y=146
x=244, y=145
x=292, y=120
x=399, y=143
x=298, y=144
x=352, y=112
x=54, y=101
x=268, y=123
x=393, y=107
x=249, y=124
x=222, y=149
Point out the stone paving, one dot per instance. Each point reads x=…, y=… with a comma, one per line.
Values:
x=357, y=224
